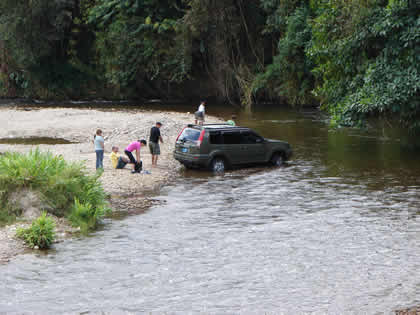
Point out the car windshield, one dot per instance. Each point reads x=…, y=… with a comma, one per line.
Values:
x=189, y=134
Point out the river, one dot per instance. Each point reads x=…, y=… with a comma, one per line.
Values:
x=336, y=230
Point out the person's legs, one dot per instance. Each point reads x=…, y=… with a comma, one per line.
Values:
x=99, y=159
x=197, y=118
x=156, y=152
x=152, y=152
x=121, y=163
x=131, y=158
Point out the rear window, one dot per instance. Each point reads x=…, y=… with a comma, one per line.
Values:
x=189, y=134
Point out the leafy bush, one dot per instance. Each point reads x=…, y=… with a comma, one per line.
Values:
x=289, y=75
x=8, y=213
x=60, y=183
x=85, y=215
x=366, y=61
x=40, y=233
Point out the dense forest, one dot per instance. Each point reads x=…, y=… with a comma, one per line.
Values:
x=354, y=58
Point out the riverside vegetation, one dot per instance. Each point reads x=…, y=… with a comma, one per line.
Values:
x=125, y=196
x=355, y=58
x=40, y=234
x=63, y=188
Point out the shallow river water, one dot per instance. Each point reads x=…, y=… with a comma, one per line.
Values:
x=336, y=230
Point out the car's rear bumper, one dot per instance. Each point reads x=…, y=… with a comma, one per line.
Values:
x=194, y=160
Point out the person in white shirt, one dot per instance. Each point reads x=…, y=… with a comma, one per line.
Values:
x=99, y=149
x=199, y=115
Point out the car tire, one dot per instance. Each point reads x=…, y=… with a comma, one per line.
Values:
x=218, y=165
x=277, y=159
x=187, y=166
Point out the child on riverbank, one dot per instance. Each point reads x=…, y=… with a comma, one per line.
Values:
x=118, y=161
x=99, y=149
x=135, y=146
x=232, y=121
x=200, y=113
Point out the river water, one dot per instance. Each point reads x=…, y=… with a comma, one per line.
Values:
x=336, y=230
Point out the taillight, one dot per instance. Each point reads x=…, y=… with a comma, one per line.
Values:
x=200, y=139
x=180, y=134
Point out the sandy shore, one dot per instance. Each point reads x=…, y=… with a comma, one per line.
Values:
x=129, y=191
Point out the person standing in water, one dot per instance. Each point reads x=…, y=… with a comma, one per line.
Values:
x=200, y=113
x=99, y=149
x=154, y=139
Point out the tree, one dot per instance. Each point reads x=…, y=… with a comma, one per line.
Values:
x=366, y=60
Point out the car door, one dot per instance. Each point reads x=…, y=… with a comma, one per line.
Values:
x=253, y=146
x=232, y=146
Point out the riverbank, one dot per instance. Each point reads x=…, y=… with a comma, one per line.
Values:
x=129, y=192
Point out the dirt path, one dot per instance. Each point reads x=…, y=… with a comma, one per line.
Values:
x=79, y=125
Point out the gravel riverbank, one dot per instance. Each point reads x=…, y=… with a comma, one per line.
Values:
x=129, y=191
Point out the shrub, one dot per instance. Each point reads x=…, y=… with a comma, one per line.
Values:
x=59, y=183
x=85, y=215
x=40, y=233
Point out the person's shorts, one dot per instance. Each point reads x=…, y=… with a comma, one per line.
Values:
x=199, y=116
x=154, y=148
x=130, y=156
x=121, y=164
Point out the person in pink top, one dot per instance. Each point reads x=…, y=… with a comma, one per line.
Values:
x=135, y=146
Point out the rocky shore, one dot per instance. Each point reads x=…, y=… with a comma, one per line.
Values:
x=129, y=192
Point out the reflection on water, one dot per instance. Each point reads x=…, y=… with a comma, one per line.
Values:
x=337, y=230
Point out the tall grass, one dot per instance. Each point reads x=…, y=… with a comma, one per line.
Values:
x=59, y=182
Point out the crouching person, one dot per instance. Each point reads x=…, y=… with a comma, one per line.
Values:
x=135, y=146
x=117, y=160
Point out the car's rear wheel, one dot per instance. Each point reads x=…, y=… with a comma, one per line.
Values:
x=218, y=165
x=277, y=159
x=187, y=166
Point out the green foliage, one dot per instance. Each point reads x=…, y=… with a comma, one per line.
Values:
x=356, y=58
x=366, y=61
x=226, y=43
x=8, y=214
x=40, y=233
x=289, y=75
x=42, y=42
x=138, y=41
x=59, y=182
x=85, y=215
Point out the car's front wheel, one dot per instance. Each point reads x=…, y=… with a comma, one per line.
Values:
x=218, y=165
x=277, y=159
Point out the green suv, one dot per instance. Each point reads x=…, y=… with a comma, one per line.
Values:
x=220, y=146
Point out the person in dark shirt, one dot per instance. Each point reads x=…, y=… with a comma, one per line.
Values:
x=154, y=139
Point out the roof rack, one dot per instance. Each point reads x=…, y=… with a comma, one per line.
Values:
x=221, y=126
x=223, y=123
